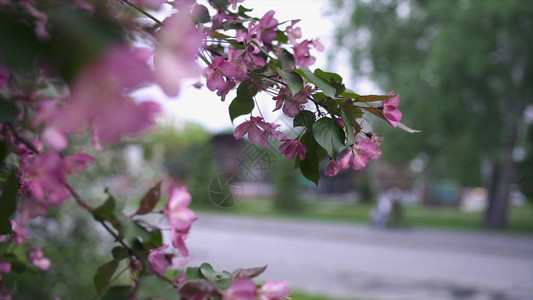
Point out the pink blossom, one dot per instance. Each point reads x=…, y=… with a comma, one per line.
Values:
x=216, y=72
x=4, y=293
x=243, y=289
x=77, y=163
x=240, y=60
x=317, y=44
x=390, y=110
x=40, y=18
x=230, y=84
x=4, y=76
x=19, y=232
x=101, y=91
x=258, y=131
x=359, y=154
x=5, y=267
x=302, y=57
x=45, y=178
x=179, y=216
x=266, y=29
x=179, y=262
x=292, y=105
x=293, y=33
x=234, y=3
x=333, y=168
x=158, y=260
x=54, y=138
x=291, y=147
x=36, y=257
x=176, y=54
x=274, y=290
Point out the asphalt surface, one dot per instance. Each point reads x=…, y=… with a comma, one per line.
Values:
x=352, y=261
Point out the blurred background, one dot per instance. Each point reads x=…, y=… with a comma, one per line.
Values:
x=444, y=214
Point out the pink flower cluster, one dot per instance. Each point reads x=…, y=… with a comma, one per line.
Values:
x=43, y=181
x=357, y=156
x=245, y=289
x=291, y=147
x=223, y=74
x=258, y=131
x=292, y=105
x=180, y=217
x=36, y=257
x=390, y=110
x=302, y=56
x=99, y=100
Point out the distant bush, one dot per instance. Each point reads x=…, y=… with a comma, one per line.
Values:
x=287, y=196
x=203, y=171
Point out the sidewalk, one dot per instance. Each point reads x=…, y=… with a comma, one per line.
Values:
x=347, y=260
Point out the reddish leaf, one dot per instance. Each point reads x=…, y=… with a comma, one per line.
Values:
x=150, y=200
x=241, y=273
x=370, y=98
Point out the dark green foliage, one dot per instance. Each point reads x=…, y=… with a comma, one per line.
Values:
x=287, y=194
x=202, y=173
x=525, y=168
x=366, y=193
x=453, y=72
x=464, y=71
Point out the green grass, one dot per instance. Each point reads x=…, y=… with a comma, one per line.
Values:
x=303, y=296
x=520, y=218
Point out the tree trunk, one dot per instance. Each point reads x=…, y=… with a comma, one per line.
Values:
x=503, y=174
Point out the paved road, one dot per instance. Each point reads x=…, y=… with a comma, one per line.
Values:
x=346, y=260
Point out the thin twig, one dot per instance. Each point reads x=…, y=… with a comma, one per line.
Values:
x=142, y=11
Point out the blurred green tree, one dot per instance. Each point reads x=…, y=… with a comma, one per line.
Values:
x=203, y=171
x=287, y=194
x=465, y=68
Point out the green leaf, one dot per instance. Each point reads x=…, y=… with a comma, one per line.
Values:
x=326, y=88
x=200, y=14
x=281, y=37
x=151, y=287
x=350, y=94
x=208, y=272
x=154, y=240
x=66, y=50
x=8, y=111
x=3, y=152
x=329, y=135
x=119, y=253
x=8, y=202
x=19, y=47
x=348, y=127
x=305, y=118
x=370, y=98
x=106, y=211
x=243, y=104
x=328, y=76
x=150, y=200
x=193, y=273
x=224, y=283
x=286, y=59
x=293, y=80
x=118, y=292
x=103, y=276
x=333, y=78
x=310, y=165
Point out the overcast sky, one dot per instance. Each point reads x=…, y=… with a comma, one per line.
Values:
x=204, y=107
